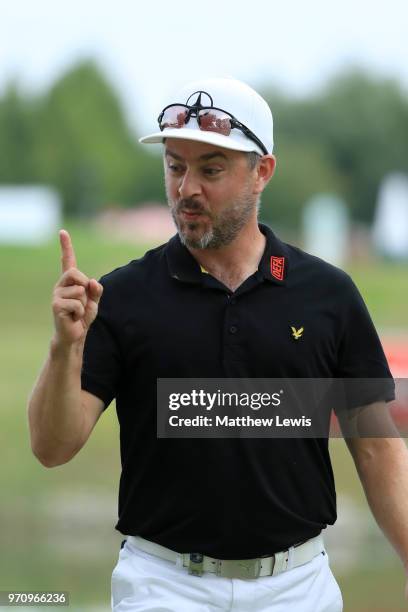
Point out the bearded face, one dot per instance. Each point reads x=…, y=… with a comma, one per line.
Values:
x=211, y=197
x=199, y=228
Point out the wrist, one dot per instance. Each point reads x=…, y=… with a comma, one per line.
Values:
x=59, y=348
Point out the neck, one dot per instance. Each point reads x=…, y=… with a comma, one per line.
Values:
x=233, y=263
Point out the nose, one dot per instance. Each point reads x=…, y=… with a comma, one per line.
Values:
x=189, y=185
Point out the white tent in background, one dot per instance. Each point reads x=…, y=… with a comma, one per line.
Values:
x=390, y=230
x=29, y=214
x=326, y=228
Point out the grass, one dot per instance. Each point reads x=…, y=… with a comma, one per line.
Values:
x=385, y=291
x=57, y=525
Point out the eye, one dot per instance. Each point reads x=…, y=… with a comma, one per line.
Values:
x=211, y=171
x=174, y=168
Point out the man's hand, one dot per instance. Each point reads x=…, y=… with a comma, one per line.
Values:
x=75, y=298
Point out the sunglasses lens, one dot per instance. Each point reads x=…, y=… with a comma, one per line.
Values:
x=212, y=120
x=173, y=117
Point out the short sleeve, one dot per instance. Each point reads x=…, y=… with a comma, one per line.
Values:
x=361, y=356
x=101, y=364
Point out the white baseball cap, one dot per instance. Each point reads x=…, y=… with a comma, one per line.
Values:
x=235, y=98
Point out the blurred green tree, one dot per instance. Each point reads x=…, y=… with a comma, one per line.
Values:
x=16, y=138
x=85, y=147
x=345, y=139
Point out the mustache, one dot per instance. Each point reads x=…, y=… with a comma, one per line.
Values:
x=190, y=205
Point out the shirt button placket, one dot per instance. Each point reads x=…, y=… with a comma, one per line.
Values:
x=234, y=353
x=231, y=319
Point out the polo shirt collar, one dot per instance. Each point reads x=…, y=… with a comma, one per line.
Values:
x=274, y=264
x=181, y=263
x=273, y=267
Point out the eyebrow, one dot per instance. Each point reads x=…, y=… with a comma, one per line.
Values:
x=204, y=157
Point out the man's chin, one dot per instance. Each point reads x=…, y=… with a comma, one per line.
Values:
x=190, y=241
x=191, y=231
x=194, y=239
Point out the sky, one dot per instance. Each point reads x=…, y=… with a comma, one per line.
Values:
x=149, y=48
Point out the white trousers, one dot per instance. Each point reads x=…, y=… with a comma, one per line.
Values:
x=144, y=582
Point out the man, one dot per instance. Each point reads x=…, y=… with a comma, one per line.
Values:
x=229, y=523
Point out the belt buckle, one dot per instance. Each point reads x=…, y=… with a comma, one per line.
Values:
x=240, y=568
x=195, y=567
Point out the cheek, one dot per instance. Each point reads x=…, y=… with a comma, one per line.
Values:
x=223, y=191
x=171, y=185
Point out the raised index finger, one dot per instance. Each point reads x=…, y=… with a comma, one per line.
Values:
x=68, y=256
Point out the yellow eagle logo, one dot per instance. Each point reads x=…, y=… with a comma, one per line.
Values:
x=297, y=333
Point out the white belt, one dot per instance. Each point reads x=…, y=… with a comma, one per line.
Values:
x=237, y=568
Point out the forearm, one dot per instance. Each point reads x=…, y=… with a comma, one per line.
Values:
x=55, y=415
x=383, y=470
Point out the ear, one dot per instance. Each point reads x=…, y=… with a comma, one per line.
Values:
x=264, y=172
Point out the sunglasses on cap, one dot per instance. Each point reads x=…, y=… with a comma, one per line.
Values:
x=209, y=119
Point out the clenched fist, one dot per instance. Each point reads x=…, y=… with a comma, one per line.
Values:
x=75, y=298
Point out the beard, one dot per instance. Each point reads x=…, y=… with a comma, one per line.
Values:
x=212, y=230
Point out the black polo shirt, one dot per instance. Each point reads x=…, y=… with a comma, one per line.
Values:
x=163, y=317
